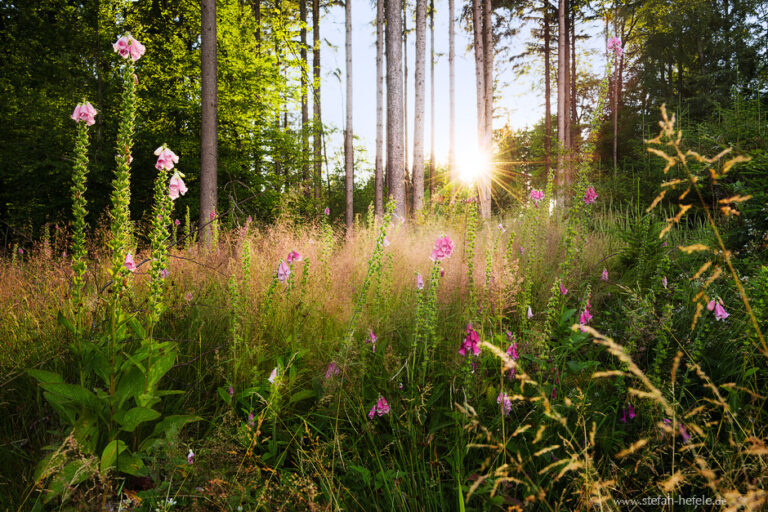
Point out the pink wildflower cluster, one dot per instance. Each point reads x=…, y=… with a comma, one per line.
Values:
x=128, y=47
x=471, y=343
x=380, y=408
x=165, y=158
x=283, y=271
x=717, y=307
x=84, y=112
x=176, y=188
x=627, y=412
x=614, y=45
x=505, y=402
x=372, y=340
x=443, y=248
x=293, y=256
x=129, y=263
x=536, y=196
x=332, y=371
x=590, y=196
x=512, y=353
x=586, y=316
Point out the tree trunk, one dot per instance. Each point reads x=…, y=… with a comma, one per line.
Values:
x=208, y=145
x=317, y=141
x=304, y=98
x=379, y=185
x=406, y=179
x=431, y=179
x=349, y=157
x=451, y=92
x=573, y=131
x=568, y=83
x=481, y=20
x=419, y=105
x=395, y=162
x=561, y=95
x=547, y=93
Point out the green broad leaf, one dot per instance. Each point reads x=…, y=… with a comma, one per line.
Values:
x=364, y=473
x=132, y=418
x=580, y=366
x=138, y=329
x=132, y=465
x=66, y=323
x=224, y=394
x=74, y=393
x=131, y=385
x=160, y=366
x=301, y=395
x=170, y=426
x=86, y=433
x=110, y=454
x=46, y=377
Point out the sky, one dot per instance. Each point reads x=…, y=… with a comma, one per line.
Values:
x=519, y=100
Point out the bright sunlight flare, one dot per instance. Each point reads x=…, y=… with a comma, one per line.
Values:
x=472, y=163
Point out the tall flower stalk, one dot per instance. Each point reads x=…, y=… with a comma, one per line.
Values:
x=83, y=115
x=121, y=184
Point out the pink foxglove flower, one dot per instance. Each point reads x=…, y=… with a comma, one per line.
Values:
x=585, y=317
x=283, y=272
x=165, y=158
x=501, y=228
x=129, y=264
x=136, y=50
x=471, y=344
x=512, y=351
x=630, y=412
x=443, y=248
x=231, y=391
x=419, y=281
x=530, y=313
x=251, y=421
x=536, y=196
x=121, y=47
x=176, y=188
x=604, y=277
x=386, y=241
x=327, y=211
x=272, y=376
x=664, y=281
x=293, y=256
x=563, y=289
x=505, y=402
x=522, y=250
x=590, y=196
x=84, y=112
x=191, y=457
x=380, y=408
x=720, y=312
x=332, y=371
x=372, y=340
x=177, y=222
x=685, y=435
x=164, y=273
x=188, y=297
x=614, y=45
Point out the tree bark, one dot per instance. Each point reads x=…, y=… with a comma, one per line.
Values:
x=406, y=179
x=481, y=19
x=208, y=94
x=419, y=105
x=379, y=182
x=431, y=180
x=395, y=162
x=573, y=131
x=547, y=92
x=451, y=92
x=317, y=141
x=561, y=95
x=349, y=157
x=568, y=83
x=304, y=98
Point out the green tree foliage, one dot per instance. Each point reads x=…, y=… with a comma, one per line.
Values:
x=54, y=52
